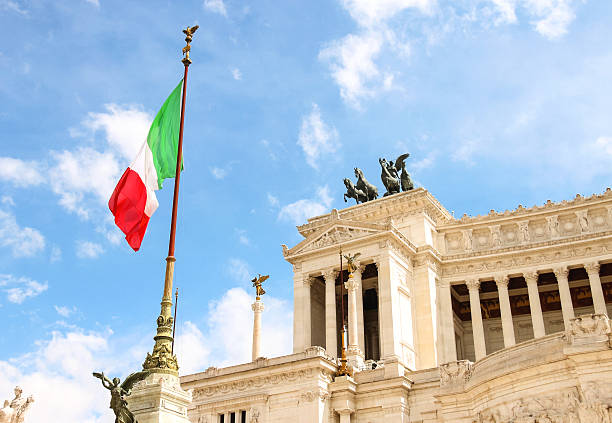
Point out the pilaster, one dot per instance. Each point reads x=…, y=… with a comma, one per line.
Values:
x=446, y=341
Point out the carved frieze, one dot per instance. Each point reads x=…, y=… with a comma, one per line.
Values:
x=588, y=325
x=455, y=372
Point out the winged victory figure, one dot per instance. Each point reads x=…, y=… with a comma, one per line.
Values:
x=257, y=284
x=351, y=265
x=390, y=175
x=119, y=392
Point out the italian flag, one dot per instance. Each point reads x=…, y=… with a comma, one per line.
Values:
x=133, y=200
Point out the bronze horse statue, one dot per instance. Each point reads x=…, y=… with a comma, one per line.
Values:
x=370, y=190
x=353, y=192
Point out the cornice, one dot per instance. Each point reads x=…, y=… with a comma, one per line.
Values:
x=494, y=217
x=417, y=200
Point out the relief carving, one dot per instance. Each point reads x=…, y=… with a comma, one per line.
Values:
x=455, y=372
x=588, y=325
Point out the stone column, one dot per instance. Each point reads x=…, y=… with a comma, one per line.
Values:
x=360, y=328
x=387, y=325
x=477, y=328
x=448, y=350
x=564, y=293
x=257, y=307
x=331, y=330
x=537, y=320
x=307, y=312
x=599, y=301
x=355, y=354
x=506, y=312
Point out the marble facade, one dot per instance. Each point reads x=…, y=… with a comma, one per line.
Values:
x=495, y=318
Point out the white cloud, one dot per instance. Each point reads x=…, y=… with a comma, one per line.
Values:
x=316, y=137
x=299, y=211
x=236, y=74
x=426, y=162
x=242, y=236
x=65, y=311
x=215, y=6
x=94, y=2
x=192, y=348
x=83, y=174
x=13, y=7
x=272, y=200
x=125, y=127
x=553, y=17
x=239, y=270
x=218, y=173
x=369, y=13
x=56, y=254
x=60, y=367
x=18, y=289
x=19, y=172
x=466, y=151
x=605, y=144
x=88, y=250
x=7, y=200
x=506, y=11
x=23, y=242
x=351, y=61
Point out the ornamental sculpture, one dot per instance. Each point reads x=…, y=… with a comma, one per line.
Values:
x=119, y=392
x=14, y=411
x=394, y=177
x=259, y=291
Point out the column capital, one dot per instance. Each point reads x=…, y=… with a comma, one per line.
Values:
x=592, y=267
x=501, y=280
x=473, y=284
x=531, y=277
x=561, y=272
x=351, y=284
x=330, y=274
x=307, y=280
x=257, y=306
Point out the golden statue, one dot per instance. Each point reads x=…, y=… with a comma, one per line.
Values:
x=350, y=262
x=189, y=36
x=257, y=284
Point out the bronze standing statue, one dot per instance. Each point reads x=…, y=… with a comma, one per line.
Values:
x=259, y=291
x=119, y=392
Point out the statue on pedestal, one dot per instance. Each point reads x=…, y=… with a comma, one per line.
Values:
x=119, y=392
x=259, y=291
x=14, y=411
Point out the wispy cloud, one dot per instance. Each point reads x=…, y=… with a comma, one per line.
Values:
x=272, y=200
x=216, y=6
x=18, y=289
x=88, y=249
x=242, y=236
x=316, y=137
x=20, y=173
x=299, y=211
x=22, y=241
x=218, y=172
x=236, y=74
x=65, y=311
x=239, y=270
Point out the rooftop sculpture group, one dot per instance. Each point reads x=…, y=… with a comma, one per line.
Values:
x=393, y=175
x=14, y=411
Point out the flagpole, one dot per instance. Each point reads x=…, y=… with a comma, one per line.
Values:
x=163, y=360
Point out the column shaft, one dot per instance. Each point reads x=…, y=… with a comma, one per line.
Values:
x=331, y=330
x=477, y=328
x=351, y=287
x=537, y=320
x=387, y=326
x=258, y=308
x=506, y=311
x=567, y=307
x=307, y=313
x=599, y=301
x=359, y=296
x=447, y=325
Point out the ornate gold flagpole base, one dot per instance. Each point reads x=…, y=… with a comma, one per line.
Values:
x=162, y=360
x=343, y=370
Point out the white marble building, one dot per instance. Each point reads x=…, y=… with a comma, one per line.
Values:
x=449, y=320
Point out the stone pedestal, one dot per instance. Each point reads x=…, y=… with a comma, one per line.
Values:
x=159, y=399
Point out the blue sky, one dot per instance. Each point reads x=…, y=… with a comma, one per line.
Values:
x=499, y=102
